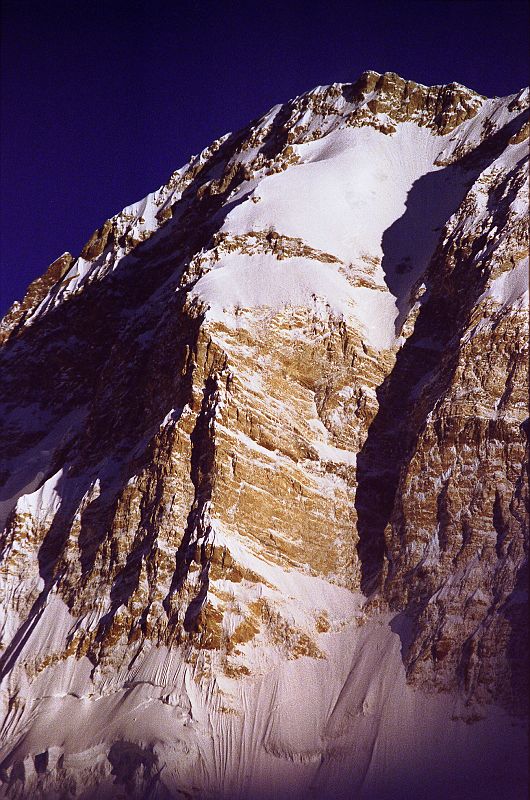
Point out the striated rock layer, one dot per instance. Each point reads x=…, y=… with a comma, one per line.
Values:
x=263, y=483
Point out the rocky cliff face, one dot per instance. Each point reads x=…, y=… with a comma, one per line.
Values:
x=264, y=479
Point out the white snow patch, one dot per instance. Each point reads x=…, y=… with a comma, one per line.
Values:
x=510, y=286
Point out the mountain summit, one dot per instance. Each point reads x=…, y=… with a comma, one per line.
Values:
x=263, y=479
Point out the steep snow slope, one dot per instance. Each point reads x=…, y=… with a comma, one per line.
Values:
x=263, y=484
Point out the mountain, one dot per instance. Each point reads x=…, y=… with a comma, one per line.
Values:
x=264, y=468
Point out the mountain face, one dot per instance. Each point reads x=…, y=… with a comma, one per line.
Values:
x=263, y=483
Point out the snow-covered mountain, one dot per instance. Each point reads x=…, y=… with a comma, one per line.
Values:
x=263, y=478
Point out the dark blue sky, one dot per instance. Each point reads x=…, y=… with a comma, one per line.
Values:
x=102, y=101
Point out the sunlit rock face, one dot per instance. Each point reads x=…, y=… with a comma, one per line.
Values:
x=264, y=459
